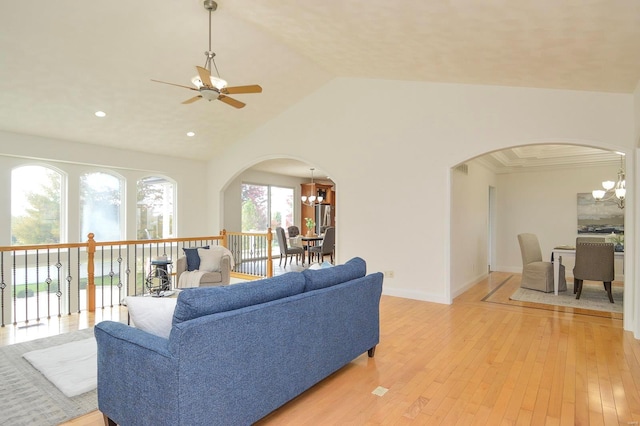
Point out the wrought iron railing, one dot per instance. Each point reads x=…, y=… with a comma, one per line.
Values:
x=41, y=281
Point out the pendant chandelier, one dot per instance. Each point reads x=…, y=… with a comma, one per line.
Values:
x=613, y=191
x=310, y=200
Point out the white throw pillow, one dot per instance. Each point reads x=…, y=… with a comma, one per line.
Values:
x=210, y=259
x=323, y=265
x=152, y=314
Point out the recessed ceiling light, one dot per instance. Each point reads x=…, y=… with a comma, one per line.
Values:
x=101, y=114
x=190, y=134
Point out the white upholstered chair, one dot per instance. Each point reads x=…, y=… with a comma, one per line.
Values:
x=219, y=277
x=537, y=274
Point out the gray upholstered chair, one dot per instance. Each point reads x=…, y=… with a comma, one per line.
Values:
x=594, y=262
x=285, y=250
x=293, y=231
x=327, y=245
x=536, y=274
x=295, y=237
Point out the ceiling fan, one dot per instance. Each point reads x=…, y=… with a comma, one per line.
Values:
x=210, y=86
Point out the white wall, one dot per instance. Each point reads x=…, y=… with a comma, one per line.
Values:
x=469, y=226
x=75, y=159
x=389, y=146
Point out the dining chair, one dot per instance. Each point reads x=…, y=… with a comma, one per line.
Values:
x=285, y=250
x=594, y=262
x=536, y=274
x=590, y=240
x=293, y=231
x=327, y=246
x=295, y=237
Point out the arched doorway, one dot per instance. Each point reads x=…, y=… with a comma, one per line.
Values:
x=537, y=189
x=287, y=177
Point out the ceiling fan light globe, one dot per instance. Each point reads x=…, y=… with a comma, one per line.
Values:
x=218, y=83
x=209, y=94
x=197, y=82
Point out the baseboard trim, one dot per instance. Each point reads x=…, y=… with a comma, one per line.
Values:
x=416, y=295
x=468, y=285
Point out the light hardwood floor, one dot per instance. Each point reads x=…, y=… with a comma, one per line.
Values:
x=482, y=360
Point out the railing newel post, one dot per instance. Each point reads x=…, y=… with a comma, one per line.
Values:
x=269, y=257
x=225, y=240
x=91, y=285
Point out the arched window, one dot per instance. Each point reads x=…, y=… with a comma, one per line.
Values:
x=100, y=206
x=155, y=208
x=35, y=205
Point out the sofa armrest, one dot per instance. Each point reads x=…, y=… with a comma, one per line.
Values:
x=134, y=365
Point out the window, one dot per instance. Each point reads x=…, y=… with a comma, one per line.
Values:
x=155, y=208
x=265, y=206
x=100, y=206
x=35, y=205
x=254, y=208
x=281, y=207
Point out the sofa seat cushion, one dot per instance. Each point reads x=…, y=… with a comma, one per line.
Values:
x=201, y=301
x=211, y=278
x=327, y=277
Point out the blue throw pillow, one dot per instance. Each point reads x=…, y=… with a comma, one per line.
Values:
x=327, y=277
x=193, y=258
x=200, y=301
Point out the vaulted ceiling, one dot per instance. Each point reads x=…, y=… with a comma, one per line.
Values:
x=63, y=60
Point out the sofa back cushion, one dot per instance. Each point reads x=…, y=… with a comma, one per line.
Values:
x=321, y=278
x=201, y=301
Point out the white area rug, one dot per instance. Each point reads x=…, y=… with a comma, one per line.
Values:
x=71, y=367
x=593, y=297
x=28, y=398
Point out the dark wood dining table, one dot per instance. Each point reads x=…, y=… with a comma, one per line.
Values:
x=310, y=242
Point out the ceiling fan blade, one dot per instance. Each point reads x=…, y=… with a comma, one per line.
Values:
x=254, y=88
x=230, y=101
x=173, y=84
x=205, y=76
x=192, y=100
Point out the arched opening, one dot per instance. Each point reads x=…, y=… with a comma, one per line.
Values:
x=269, y=193
x=540, y=189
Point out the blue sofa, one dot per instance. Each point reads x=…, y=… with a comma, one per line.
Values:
x=238, y=352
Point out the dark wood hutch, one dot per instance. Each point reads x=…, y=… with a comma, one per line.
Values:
x=325, y=191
